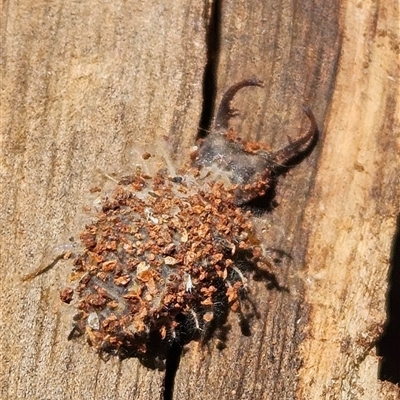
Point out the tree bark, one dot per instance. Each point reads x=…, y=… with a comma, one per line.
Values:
x=88, y=86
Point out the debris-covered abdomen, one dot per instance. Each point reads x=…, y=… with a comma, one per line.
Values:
x=155, y=261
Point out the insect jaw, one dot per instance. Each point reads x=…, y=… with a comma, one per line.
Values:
x=225, y=111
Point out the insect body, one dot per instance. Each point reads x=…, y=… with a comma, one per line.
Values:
x=168, y=257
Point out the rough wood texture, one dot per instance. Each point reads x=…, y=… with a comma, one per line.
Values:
x=87, y=85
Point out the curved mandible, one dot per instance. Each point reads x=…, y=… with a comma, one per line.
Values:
x=225, y=111
x=287, y=156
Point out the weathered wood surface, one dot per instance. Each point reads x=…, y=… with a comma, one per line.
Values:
x=85, y=85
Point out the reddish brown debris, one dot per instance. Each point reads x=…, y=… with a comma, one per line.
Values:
x=168, y=258
x=66, y=295
x=155, y=260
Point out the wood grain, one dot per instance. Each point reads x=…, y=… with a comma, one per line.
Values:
x=87, y=85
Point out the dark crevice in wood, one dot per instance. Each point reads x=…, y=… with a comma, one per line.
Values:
x=171, y=367
x=213, y=43
x=389, y=345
